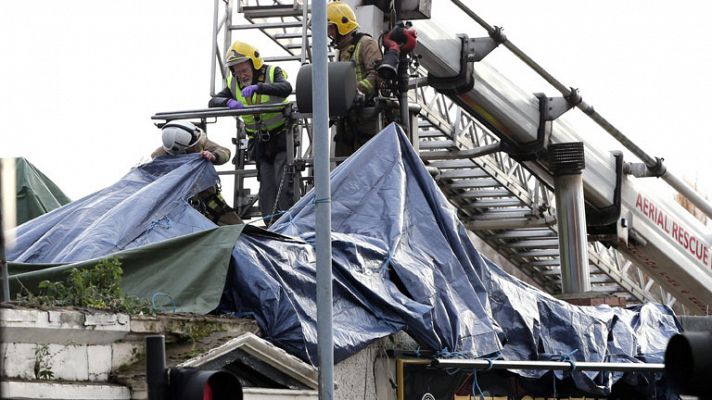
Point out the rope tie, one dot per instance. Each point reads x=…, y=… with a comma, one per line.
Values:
x=476, y=386
x=490, y=363
x=153, y=301
x=566, y=357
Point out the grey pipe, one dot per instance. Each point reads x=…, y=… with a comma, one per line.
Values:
x=548, y=365
x=571, y=219
x=322, y=188
x=566, y=161
x=655, y=164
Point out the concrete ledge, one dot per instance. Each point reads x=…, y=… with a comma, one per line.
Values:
x=62, y=326
x=61, y=391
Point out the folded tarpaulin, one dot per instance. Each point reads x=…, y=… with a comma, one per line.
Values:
x=147, y=205
x=183, y=274
x=36, y=193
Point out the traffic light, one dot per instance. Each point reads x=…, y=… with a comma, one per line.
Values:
x=688, y=363
x=185, y=383
x=195, y=384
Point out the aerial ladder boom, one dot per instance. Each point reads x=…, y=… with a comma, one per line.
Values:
x=671, y=245
x=485, y=141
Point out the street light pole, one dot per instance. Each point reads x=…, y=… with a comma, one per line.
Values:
x=322, y=188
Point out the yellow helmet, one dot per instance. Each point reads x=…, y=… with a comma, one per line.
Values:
x=341, y=15
x=240, y=52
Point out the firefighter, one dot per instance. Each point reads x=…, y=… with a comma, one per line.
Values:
x=251, y=82
x=181, y=137
x=354, y=130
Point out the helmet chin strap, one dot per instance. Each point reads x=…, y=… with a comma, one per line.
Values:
x=337, y=39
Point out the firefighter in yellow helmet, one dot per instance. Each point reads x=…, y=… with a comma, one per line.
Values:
x=358, y=127
x=252, y=82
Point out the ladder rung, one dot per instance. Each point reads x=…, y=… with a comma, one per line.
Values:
x=283, y=58
x=521, y=233
x=436, y=144
x=463, y=173
x=267, y=25
x=600, y=278
x=288, y=35
x=535, y=244
x=430, y=133
x=479, y=194
x=278, y=10
x=540, y=253
x=606, y=288
x=505, y=222
x=495, y=203
x=449, y=164
x=474, y=183
x=509, y=215
x=551, y=262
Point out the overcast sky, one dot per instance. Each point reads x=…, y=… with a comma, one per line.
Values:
x=80, y=79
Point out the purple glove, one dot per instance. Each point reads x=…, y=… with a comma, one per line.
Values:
x=249, y=91
x=234, y=104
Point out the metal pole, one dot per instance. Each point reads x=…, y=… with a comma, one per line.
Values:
x=156, y=381
x=548, y=365
x=3, y=261
x=305, y=18
x=7, y=178
x=322, y=187
x=219, y=112
x=214, y=48
x=227, y=39
x=403, y=93
x=654, y=164
x=567, y=161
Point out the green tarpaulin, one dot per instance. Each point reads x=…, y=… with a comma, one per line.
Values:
x=188, y=271
x=36, y=193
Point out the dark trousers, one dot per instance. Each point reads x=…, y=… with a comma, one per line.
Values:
x=272, y=172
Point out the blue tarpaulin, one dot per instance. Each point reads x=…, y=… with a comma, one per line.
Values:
x=401, y=261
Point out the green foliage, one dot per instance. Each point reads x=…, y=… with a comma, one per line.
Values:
x=43, y=363
x=97, y=287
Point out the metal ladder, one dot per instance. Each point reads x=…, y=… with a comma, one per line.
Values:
x=509, y=208
x=497, y=198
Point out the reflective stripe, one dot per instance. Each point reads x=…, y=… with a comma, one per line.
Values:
x=265, y=121
x=357, y=50
x=360, y=80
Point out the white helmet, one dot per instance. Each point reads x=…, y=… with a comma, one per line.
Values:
x=178, y=136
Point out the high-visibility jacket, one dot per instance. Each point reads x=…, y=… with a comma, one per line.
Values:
x=265, y=121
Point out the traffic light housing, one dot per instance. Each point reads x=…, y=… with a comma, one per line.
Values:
x=185, y=383
x=688, y=363
x=195, y=384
